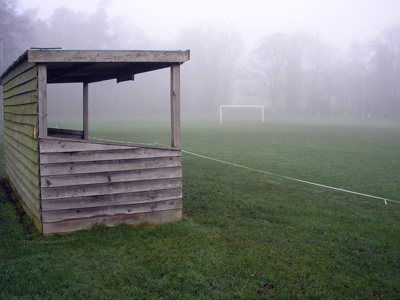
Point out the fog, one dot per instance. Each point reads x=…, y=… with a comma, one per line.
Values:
x=314, y=58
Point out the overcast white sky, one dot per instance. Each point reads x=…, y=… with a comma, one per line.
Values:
x=339, y=21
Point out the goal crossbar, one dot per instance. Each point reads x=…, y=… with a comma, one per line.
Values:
x=241, y=106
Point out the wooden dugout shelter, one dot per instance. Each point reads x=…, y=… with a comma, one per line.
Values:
x=65, y=180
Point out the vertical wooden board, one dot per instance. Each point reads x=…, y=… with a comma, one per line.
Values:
x=85, y=111
x=175, y=107
x=42, y=99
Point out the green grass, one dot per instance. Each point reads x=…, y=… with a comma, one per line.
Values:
x=245, y=235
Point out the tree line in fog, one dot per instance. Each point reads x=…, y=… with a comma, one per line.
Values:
x=296, y=73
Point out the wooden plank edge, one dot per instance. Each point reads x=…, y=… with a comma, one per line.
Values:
x=111, y=210
x=14, y=72
x=26, y=151
x=108, y=177
x=111, y=188
x=110, y=56
x=115, y=199
x=21, y=99
x=28, y=199
x=22, y=139
x=22, y=119
x=20, y=79
x=161, y=217
x=109, y=166
x=105, y=155
x=20, y=156
x=113, y=145
x=26, y=129
x=29, y=178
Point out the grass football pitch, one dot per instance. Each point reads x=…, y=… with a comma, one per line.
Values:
x=245, y=234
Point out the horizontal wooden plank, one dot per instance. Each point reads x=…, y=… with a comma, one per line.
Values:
x=56, y=144
x=27, y=98
x=28, y=130
x=49, y=145
x=131, y=153
x=120, y=176
x=109, y=166
x=114, y=199
x=28, y=152
x=26, y=176
x=107, y=56
x=22, y=78
x=20, y=185
x=90, y=212
x=21, y=89
x=27, y=206
x=33, y=216
x=26, y=109
x=19, y=156
x=157, y=217
x=30, y=201
x=24, y=119
x=22, y=139
x=21, y=68
x=110, y=188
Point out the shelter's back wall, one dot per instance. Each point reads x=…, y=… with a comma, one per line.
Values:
x=20, y=136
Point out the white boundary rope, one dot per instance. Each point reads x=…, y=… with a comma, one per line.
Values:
x=386, y=200
x=293, y=179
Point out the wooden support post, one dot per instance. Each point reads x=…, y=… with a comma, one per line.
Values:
x=42, y=100
x=85, y=111
x=175, y=107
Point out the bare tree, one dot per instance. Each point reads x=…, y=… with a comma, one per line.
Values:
x=215, y=65
x=14, y=31
x=297, y=46
x=319, y=87
x=268, y=61
x=386, y=67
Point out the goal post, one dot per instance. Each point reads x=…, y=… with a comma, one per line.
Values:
x=258, y=107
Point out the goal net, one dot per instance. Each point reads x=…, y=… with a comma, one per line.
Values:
x=241, y=113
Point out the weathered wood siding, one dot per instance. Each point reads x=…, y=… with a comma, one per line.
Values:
x=86, y=182
x=20, y=136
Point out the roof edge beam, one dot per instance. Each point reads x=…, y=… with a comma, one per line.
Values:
x=93, y=56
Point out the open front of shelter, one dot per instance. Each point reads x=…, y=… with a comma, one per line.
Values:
x=67, y=181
